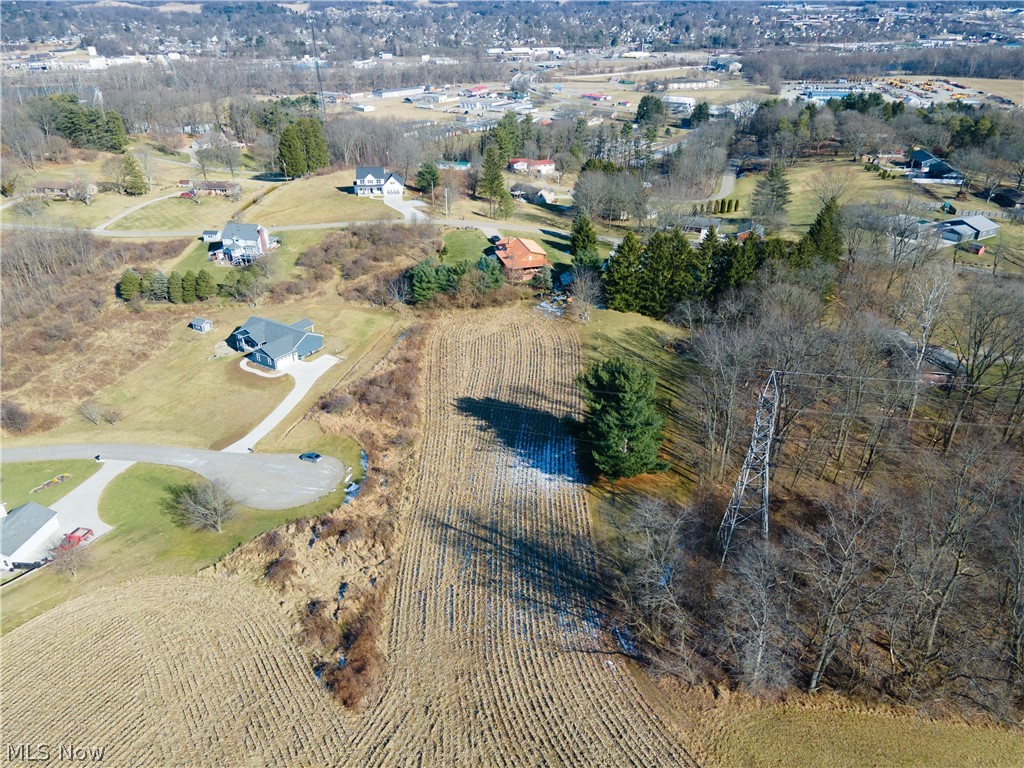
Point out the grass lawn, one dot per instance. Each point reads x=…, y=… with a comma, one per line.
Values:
x=317, y=200
x=186, y=396
x=16, y=480
x=146, y=541
x=635, y=337
x=180, y=214
x=465, y=245
x=556, y=244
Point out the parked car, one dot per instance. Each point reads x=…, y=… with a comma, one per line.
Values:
x=311, y=457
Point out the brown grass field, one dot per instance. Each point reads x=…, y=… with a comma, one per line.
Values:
x=498, y=650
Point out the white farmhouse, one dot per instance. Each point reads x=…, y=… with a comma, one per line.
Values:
x=376, y=182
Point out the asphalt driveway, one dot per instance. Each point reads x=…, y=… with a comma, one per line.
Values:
x=258, y=480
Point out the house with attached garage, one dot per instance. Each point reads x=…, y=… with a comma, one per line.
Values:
x=520, y=258
x=273, y=344
x=241, y=244
x=376, y=182
x=27, y=533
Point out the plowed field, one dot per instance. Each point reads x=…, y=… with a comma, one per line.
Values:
x=497, y=650
x=499, y=653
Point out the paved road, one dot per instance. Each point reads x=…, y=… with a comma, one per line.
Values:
x=306, y=374
x=259, y=480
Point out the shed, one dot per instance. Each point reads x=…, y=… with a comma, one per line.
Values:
x=27, y=533
x=201, y=324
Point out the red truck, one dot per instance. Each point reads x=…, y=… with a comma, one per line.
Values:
x=77, y=536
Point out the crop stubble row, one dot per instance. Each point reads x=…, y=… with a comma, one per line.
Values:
x=498, y=653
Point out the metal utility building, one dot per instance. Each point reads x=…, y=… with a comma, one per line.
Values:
x=27, y=532
x=968, y=228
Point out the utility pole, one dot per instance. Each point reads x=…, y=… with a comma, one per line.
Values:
x=750, y=494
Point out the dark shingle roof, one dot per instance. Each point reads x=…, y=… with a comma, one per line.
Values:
x=273, y=337
x=371, y=170
x=21, y=524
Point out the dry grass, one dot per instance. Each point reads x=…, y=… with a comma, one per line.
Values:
x=823, y=732
x=143, y=363
x=317, y=200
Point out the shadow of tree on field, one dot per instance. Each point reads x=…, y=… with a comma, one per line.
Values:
x=538, y=439
x=547, y=574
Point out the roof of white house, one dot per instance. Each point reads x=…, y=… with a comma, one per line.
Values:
x=21, y=524
x=243, y=232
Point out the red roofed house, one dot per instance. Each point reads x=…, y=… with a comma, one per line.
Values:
x=525, y=165
x=477, y=90
x=520, y=258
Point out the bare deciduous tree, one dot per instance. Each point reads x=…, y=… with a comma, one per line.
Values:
x=69, y=559
x=205, y=505
x=91, y=412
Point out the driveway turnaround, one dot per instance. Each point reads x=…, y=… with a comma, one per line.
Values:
x=258, y=480
x=305, y=374
x=407, y=208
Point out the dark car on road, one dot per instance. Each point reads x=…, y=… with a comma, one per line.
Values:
x=311, y=457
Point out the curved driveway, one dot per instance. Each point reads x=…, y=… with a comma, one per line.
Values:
x=258, y=480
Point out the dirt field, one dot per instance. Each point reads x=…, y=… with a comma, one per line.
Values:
x=498, y=649
x=141, y=672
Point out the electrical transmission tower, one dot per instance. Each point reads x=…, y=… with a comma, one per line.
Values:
x=750, y=494
x=316, y=65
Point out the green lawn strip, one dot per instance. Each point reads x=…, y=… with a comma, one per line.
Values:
x=16, y=480
x=179, y=213
x=146, y=541
x=465, y=245
x=635, y=337
x=306, y=436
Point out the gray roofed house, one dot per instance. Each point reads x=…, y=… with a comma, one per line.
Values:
x=377, y=182
x=27, y=533
x=273, y=344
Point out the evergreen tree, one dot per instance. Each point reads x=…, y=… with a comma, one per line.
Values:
x=423, y=281
x=583, y=237
x=130, y=285
x=622, y=280
x=771, y=196
x=492, y=183
x=622, y=422
x=188, y=287
x=825, y=236
x=664, y=276
x=701, y=114
x=428, y=178
x=508, y=135
x=114, y=137
x=650, y=111
x=291, y=154
x=161, y=284
x=493, y=274
x=174, y=288
x=206, y=286
x=314, y=145
x=700, y=267
x=146, y=284
x=134, y=179
x=542, y=279
x=506, y=204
